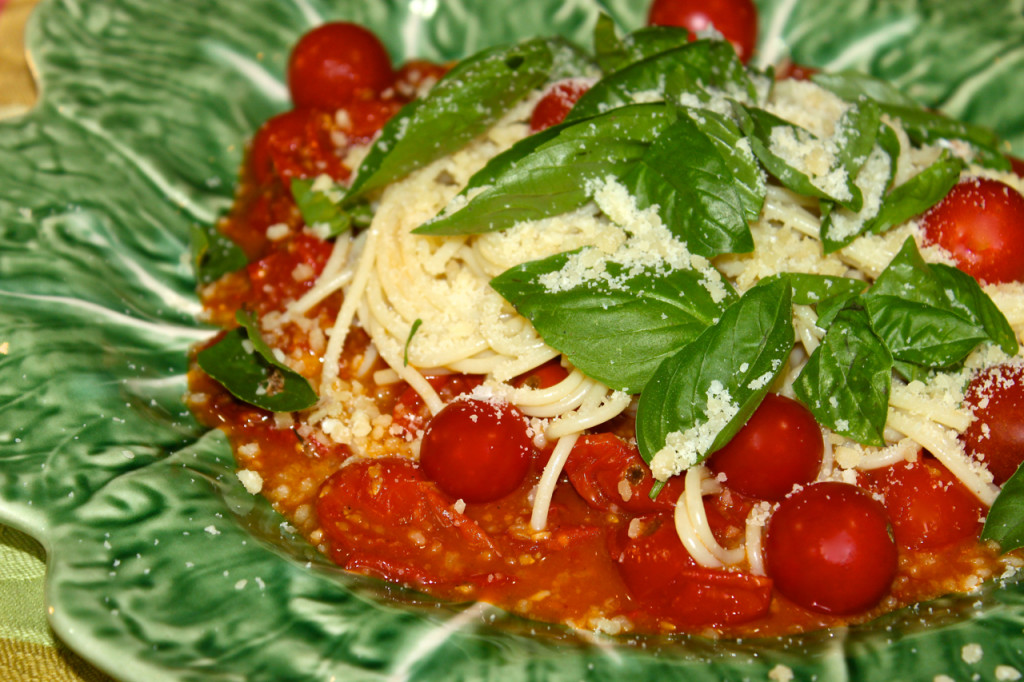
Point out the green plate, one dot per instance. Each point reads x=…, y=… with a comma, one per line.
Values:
x=160, y=565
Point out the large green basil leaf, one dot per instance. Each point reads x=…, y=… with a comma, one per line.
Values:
x=758, y=124
x=926, y=319
x=614, y=53
x=918, y=194
x=735, y=362
x=468, y=100
x=966, y=296
x=694, y=190
x=847, y=379
x=245, y=365
x=214, y=254
x=619, y=327
x=1004, y=522
x=726, y=136
x=547, y=174
x=711, y=63
x=853, y=85
x=810, y=289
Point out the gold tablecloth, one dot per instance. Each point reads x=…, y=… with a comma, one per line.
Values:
x=28, y=649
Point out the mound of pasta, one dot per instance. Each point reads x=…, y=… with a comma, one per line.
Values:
x=637, y=339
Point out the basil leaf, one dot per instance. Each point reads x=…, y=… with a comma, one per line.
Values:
x=846, y=381
x=852, y=85
x=726, y=136
x=917, y=194
x=809, y=289
x=967, y=297
x=694, y=190
x=613, y=53
x=253, y=374
x=547, y=174
x=919, y=322
x=758, y=124
x=463, y=104
x=319, y=203
x=856, y=133
x=619, y=327
x=925, y=127
x=711, y=63
x=732, y=363
x=214, y=254
x=1005, y=520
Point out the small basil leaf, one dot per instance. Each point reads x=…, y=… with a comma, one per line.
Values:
x=619, y=327
x=758, y=124
x=245, y=365
x=967, y=297
x=613, y=53
x=840, y=226
x=917, y=194
x=726, y=371
x=694, y=190
x=547, y=174
x=319, y=203
x=1005, y=520
x=921, y=317
x=809, y=289
x=711, y=63
x=726, y=136
x=853, y=85
x=856, y=133
x=214, y=254
x=846, y=381
x=464, y=103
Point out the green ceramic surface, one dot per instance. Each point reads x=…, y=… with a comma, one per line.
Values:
x=161, y=567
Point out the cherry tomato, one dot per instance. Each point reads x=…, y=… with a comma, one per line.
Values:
x=273, y=278
x=981, y=223
x=295, y=144
x=929, y=507
x=793, y=71
x=367, y=117
x=734, y=19
x=1017, y=165
x=411, y=413
x=544, y=376
x=476, y=450
x=997, y=433
x=609, y=474
x=556, y=103
x=663, y=577
x=779, y=447
x=381, y=517
x=338, y=63
x=417, y=74
x=828, y=548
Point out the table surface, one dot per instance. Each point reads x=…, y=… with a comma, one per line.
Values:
x=28, y=648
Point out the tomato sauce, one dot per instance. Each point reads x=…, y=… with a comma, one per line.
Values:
x=609, y=558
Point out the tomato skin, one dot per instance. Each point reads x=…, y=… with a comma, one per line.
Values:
x=556, y=103
x=411, y=413
x=828, y=549
x=337, y=63
x=271, y=277
x=477, y=451
x=997, y=432
x=381, y=517
x=793, y=71
x=602, y=466
x=780, y=446
x=544, y=376
x=734, y=19
x=295, y=144
x=929, y=507
x=981, y=223
x=665, y=579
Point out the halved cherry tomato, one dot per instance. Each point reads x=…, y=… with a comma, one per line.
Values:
x=996, y=436
x=477, y=450
x=411, y=413
x=382, y=518
x=609, y=474
x=295, y=144
x=828, y=548
x=780, y=446
x=556, y=103
x=544, y=376
x=273, y=278
x=981, y=223
x=929, y=507
x=734, y=19
x=338, y=63
x=666, y=580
